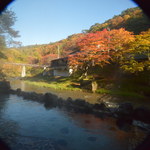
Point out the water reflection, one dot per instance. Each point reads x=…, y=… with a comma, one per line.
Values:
x=8, y=128
x=23, y=86
x=106, y=126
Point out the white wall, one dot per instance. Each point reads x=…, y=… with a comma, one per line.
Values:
x=63, y=73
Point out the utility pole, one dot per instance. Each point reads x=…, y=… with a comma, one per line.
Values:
x=108, y=38
x=58, y=51
x=23, y=73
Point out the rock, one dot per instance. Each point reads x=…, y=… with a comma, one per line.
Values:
x=141, y=125
x=101, y=106
x=50, y=100
x=60, y=102
x=12, y=91
x=18, y=91
x=97, y=106
x=4, y=86
x=124, y=123
x=69, y=99
x=69, y=102
x=40, y=97
x=111, y=105
x=88, y=108
x=125, y=109
x=32, y=95
x=142, y=114
x=124, y=116
x=79, y=102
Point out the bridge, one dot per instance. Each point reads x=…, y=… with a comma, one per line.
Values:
x=23, y=72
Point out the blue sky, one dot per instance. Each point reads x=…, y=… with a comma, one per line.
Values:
x=45, y=21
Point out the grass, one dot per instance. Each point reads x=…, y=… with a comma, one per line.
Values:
x=121, y=93
x=55, y=83
x=65, y=83
x=128, y=91
x=127, y=94
x=103, y=91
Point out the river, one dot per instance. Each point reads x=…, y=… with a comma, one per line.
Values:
x=92, y=97
x=28, y=125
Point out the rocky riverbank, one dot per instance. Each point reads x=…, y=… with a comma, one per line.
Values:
x=125, y=113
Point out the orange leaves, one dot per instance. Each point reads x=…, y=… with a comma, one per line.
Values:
x=47, y=58
x=93, y=49
x=99, y=47
x=120, y=37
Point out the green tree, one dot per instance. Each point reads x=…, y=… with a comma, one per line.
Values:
x=7, y=33
x=2, y=42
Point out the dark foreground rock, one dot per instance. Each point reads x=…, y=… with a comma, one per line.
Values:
x=142, y=114
x=4, y=87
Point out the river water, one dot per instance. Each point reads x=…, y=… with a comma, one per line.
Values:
x=28, y=125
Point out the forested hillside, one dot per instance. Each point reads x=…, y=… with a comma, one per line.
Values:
x=132, y=19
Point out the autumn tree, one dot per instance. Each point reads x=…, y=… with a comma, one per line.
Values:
x=120, y=43
x=138, y=57
x=70, y=45
x=100, y=48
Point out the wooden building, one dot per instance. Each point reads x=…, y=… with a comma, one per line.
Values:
x=60, y=67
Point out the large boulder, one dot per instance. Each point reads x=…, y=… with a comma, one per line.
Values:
x=81, y=105
x=100, y=107
x=124, y=116
x=79, y=102
x=18, y=91
x=50, y=100
x=125, y=109
x=124, y=123
x=142, y=114
x=4, y=86
x=69, y=102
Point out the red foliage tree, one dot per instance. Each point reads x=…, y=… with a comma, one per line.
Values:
x=100, y=47
x=94, y=49
x=46, y=60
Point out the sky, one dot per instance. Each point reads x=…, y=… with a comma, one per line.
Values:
x=45, y=21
